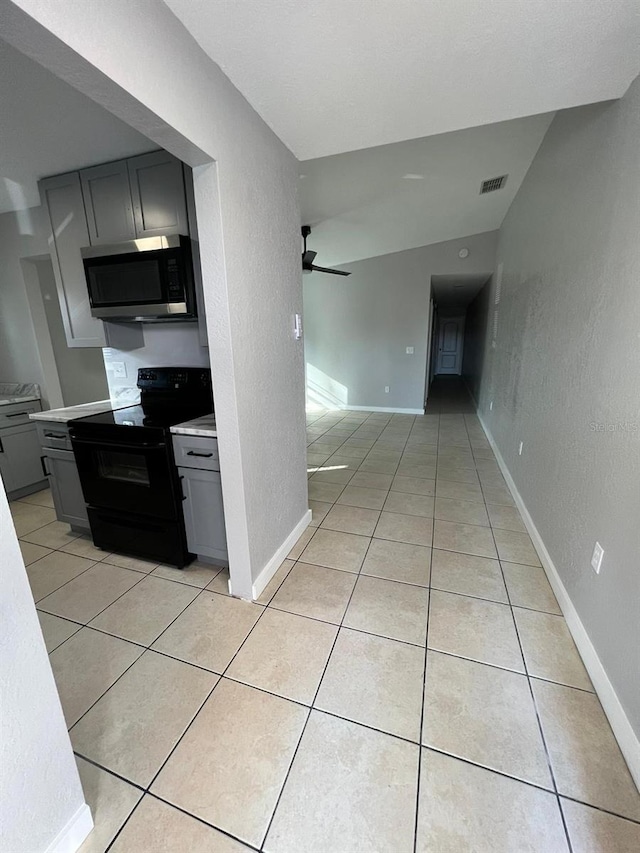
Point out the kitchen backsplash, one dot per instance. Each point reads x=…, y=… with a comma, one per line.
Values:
x=165, y=345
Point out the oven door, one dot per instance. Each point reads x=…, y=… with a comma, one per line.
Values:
x=127, y=478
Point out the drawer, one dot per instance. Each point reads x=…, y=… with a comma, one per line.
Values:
x=53, y=434
x=194, y=451
x=15, y=414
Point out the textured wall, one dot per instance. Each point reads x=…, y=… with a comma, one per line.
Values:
x=39, y=784
x=565, y=376
x=358, y=328
x=475, y=331
x=157, y=79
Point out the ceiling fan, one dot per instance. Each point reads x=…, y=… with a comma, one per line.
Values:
x=308, y=257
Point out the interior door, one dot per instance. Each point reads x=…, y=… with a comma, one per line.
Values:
x=450, y=345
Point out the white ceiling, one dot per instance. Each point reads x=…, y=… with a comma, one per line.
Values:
x=339, y=75
x=48, y=128
x=453, y=293
x=362, y=204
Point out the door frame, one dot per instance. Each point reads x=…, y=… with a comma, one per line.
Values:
x=52, y=390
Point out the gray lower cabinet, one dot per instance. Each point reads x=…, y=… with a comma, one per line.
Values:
x=20, y=464
x=199, y=470
x=66, y=490
x=62, y=471
x=204, y=513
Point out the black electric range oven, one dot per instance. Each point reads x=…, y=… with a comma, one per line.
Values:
x=126, y=466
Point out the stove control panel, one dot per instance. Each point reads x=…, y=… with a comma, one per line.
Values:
x=182, y=380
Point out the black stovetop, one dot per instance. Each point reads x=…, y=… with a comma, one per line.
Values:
x=150, y=416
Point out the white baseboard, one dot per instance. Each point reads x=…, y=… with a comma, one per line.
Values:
x=73, y=834
x=276, y=561
x=390, y=410
x=627, y=739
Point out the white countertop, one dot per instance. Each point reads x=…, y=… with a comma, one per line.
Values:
x=26, y=398
x=70, y=413
x=204, y=426
x=18, y=392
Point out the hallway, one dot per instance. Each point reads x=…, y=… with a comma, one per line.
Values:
x=405, y=682
x=449, y=395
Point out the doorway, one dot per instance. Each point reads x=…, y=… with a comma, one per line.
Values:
x=72, y=376
x=450, y=346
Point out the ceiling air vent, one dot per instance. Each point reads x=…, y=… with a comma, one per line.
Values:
x=493, y=184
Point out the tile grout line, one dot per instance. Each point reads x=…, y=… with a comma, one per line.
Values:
x=424, y=672
x=340, y=627
x=533, y=700
x=147, y=790
x=312, y=707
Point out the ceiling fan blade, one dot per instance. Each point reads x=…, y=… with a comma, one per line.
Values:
x=330, y=271
x=308, y=258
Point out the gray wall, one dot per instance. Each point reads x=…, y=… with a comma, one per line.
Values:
x=22, y=235
x=475, y=331
x=357, y=329
x=565, y=376
x=81, y=371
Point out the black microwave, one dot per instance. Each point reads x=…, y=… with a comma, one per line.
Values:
x=146, y=280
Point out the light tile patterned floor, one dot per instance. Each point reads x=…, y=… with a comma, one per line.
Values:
x=405, y=683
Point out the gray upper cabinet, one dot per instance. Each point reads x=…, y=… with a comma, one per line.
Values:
x=157, y=193
x=112, y=203
x=62, y=196
x=107, y=202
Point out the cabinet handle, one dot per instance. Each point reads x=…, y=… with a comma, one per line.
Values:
x=182, y=494
x=55, y=435
x=16, y=414
x=44, y=467
x=204, y=455
x=1, y=446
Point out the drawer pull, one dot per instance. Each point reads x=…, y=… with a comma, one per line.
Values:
x=16, y=415
x=55, y=435
x=204, y=455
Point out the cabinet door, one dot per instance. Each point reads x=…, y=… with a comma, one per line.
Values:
x=204, y=513
x=107, y=201
x=65, y=487
x=20, y=454
x=157, y=191
x=63, y=197
x=5, y=471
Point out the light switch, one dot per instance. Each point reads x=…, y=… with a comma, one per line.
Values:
x=409, y=350
x=119, y=369
x=297, y=326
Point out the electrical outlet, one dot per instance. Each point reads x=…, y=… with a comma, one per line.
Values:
x=409, y=350
x=386, y=389
x=520, y=450
x=119, y=369
x=491, y=406
x=596, y=559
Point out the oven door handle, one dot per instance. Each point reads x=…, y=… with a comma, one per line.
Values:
x=98, y=444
